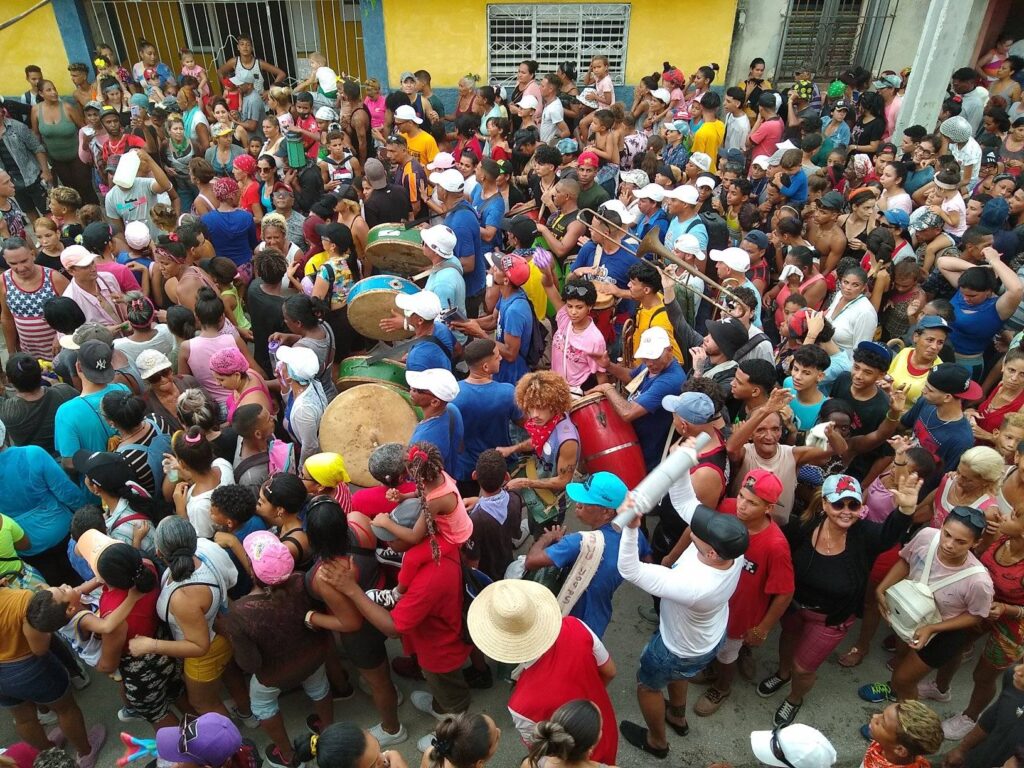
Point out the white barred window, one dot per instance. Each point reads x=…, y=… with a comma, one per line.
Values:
x=551, y=33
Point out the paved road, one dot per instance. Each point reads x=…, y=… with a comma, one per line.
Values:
x=833, y=706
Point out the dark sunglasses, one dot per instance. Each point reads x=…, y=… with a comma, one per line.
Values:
x=777, y=749
x=851, y=504
x=265, y=169
x=189, y=733
x=159, y=375
x=576, y=290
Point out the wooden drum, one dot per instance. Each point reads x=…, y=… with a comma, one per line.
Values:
x=608, y=443
x=373, y=299
x=393, y=248
x=362, y=418
x=359, y=370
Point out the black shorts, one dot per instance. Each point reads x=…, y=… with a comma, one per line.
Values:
x=33, y=198
x=365, y=647
x=943, y=647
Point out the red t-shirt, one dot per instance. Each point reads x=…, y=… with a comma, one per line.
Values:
x=142, y=621
x=429, y=615
x=120, y=146
x=249, y=196
x=766, y=138
x=309, y=124
x=373, y=501
x=768, y=572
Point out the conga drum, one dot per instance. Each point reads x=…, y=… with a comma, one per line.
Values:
x=359, y=370
x=393, y=248
x=608, y=443
x=373, y=299
x=603, y=314
x=362, y=418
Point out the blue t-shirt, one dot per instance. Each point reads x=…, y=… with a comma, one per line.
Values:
x=426, y=354
x=594, y=608
x=652, y=428
x=617, y=263
x=841, y=137
x=487, y=410
x=944, y=440
x=38, y=495
x=491, y=212
x=804, y=416
x=658, y=220
x=693, y=226
x=463, y=221
x=446, y=432
x=232, y=233
x=973, y=326
x=244, y=584
x=78, y=424
x=447, y=282
x=796, y=190
x=917, y=179
x=841, y=363
x=80, y=564
x=515, y=318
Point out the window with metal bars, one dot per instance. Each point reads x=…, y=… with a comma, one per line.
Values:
x=552, y=33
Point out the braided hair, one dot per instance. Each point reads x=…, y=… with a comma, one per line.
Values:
x=425, y=465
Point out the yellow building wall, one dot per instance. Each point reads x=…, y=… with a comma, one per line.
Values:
x=688, y=33
x=33, y=40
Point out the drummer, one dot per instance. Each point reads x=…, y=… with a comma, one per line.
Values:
x=659, y=374
x=433, y=344
x=544, y=399
x=433, y=390
x=445, y=278
x=605, y=254
x=564, y=228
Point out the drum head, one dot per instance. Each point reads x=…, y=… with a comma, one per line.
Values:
x=368, y=308
x=362, y=418
x=392, y=248
x=583, y=402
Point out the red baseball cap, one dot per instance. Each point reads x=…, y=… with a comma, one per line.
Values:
x=516, y=268
x=764, y=484
x=588, y=158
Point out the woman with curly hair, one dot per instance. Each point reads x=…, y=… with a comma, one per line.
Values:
x=544, y=398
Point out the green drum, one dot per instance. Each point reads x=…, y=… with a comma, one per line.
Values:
x=358, y=370
x=395, y=249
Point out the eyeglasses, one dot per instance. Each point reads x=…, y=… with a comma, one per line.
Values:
x=975, y=517
x=777, y=748
x=851, y=504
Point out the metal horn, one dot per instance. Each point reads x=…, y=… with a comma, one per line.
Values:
x=652, y=245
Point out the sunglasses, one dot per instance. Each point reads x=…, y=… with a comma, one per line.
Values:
x=576, y=290
x=158, y=376
x=189, y=733
x=851, y=504
x=265, y=169
x=777, y=749
x=975, y=517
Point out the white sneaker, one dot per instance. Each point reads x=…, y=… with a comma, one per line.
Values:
x=389, y=739
x=424, y=702
x=956, y=727
x=364, y=686
x=929, y=689
x=425, y=743
x=249, y=721
x=47, y=718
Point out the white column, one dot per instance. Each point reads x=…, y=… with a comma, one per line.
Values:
x=939, y=53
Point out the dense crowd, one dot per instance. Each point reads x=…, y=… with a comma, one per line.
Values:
x=296, y=369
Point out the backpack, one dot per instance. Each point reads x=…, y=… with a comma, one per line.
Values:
x=534, y=351
x=718, y=231
x=158, y=446
x=912, y=602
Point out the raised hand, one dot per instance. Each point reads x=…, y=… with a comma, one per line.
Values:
x=907, y=492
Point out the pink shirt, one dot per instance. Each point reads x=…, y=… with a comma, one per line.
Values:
x=879, y=502
x=377, y=111
x=955, y=204
x=200, y=350
x=125, y=277
x=892, y=112
x=605, y=85
x=456, y=526
x=569, y=358
x=767, y=137
x=972, y=594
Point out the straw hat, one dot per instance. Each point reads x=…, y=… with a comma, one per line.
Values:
x=513, y=621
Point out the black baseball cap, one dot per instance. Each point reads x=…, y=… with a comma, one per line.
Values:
x=96, y=237
x=831, y=201
x=725, y=533
x=110, y=471
x=523, y=227
x=95, y=360
x=336, y=233
x=954, y=380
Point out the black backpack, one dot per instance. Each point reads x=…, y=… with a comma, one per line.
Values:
x=538, y=343
x=718, y=231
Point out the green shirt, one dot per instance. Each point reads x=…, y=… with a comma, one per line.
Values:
x=10, y=532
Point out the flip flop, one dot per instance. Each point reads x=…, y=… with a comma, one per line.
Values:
x=852, y=658
x=681, y=730
x=637, y=736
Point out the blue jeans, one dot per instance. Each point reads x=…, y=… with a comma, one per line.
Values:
x=38, y=679
x=659, y=666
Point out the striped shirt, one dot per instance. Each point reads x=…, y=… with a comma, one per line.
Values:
x=35, y=337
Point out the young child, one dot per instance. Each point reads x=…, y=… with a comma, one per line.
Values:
x=50, y=246
x=791, y=177
x=15, y=573
x=497, y=516
x=65, y=204
x=233, y=515
x=336, y=167
x=190, y=68
x=946, y=202
x=152, y=85
x=322, y=81
x=223, y=271
x=758, y=177
x=1007, y=436
x=809, y=365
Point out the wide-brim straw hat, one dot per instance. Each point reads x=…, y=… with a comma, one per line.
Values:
x=513, y=621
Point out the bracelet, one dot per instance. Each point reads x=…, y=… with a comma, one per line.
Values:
x=758, y=633
x=889, y=417
x=900, y=463
x=307, y=620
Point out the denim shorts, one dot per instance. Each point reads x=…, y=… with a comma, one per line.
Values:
x=659, y=666
x=264, y=697
x=37, y=679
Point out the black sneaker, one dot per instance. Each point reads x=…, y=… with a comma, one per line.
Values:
x=479, y=679
x=786, y=713
x=388, y=556
x=771, y=685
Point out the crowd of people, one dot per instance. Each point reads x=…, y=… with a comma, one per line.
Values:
x=823, y=313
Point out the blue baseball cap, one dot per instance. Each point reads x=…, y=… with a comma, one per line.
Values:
x=838, y=487
x=758, y=238
x=691, y=407
x=932, y=321
x=567, y=146
x=602, y=489
x=878, y=349
x=898, y=218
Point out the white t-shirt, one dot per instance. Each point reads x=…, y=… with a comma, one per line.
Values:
x=552, y=115
x=968, y=155
x=737, y=128
x=198, y=505
x=163, y=341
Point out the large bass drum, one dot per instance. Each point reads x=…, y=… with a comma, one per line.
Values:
x=395, y=249
x=372, y=300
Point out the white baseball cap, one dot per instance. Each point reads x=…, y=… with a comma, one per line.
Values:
x=761, y=161
x=441, y=162
x=735, y=258
x=654, y=192
x=137, y=235
x=705, y=181
x=802, y=746
x=327, y=114
x=440, y=239
x=440, y=382
x=406, y=113
x=687, y=243
x=653, y=342
x=619, y=208
x=301, y=362
x=702, y=160
x=685, y=193
x=662, y=94
x=449, y=180
x=529, y=102
x=425, y=304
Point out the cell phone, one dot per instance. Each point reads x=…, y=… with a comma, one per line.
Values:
x=135, y=112
x=452, y=315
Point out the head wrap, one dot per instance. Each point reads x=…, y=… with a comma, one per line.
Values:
x=246, y=164
x=225, y=188
x=862, y=165
x=228, y=361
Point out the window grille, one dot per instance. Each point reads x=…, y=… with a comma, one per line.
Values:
x=555, y=32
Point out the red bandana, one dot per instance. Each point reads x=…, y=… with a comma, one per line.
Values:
x=539, y=433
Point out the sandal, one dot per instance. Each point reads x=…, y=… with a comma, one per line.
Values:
x=852, y=658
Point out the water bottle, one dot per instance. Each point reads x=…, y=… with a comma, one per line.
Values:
x=296, y=150
x=127, y=170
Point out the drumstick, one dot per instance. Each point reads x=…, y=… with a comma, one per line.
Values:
x=421, y=275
